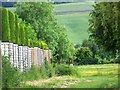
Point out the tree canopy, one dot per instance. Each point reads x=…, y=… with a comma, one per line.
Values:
x=41, y=16
x=105, y=25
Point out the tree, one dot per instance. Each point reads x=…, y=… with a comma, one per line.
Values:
x=84, y=56
x=5, y=25
x=41, y=16
x=12, y=26
x=105, y=25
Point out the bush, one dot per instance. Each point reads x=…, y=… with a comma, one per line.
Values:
x=84, y=56
x=117, y=60
x=47, y=70
x=63, y=69
x=31, y=74
x=11, y=77
x=105, y=61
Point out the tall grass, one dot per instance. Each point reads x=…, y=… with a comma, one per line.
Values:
x=47, y=70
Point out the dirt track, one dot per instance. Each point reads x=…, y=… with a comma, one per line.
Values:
x=71, y=12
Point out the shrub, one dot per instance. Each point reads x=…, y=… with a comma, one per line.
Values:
x=84, y=56
x=105, y=61
x=11, y=77
x=62, y=69
x=31, y=74
x=47, y=70
x=115, y=60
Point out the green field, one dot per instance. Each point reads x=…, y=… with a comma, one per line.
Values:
x=76, y=23
x=74, y=6
x=90, y=76
x=77, y=26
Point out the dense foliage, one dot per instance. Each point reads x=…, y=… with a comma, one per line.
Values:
x=17, y=31
x=62, y=69
x=11, y=77
x=105, y=25
x=5, y=25
x=41, y=16
x=84, y=56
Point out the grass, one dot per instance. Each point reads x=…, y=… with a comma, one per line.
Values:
x=105, y=81
x=102, y=76
x=76, y=24
x=74, y=6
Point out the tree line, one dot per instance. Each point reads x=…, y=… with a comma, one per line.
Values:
x=17, y=31
x=42, y=19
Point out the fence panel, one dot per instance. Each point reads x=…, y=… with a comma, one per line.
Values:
x=4, y=49
x=22, y=57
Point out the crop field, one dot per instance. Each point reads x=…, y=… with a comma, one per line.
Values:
x=75, y=19
x=89, y=76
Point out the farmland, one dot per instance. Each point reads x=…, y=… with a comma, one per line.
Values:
x=76, y=22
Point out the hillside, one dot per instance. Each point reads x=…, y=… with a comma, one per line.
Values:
x=75, y=16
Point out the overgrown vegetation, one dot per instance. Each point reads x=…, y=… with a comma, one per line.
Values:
x=90, y=76
x=11, y=77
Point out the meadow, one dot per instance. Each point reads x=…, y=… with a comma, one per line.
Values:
x=77, y=26
x=89, y=76
x=74, y=6
x=76, y=23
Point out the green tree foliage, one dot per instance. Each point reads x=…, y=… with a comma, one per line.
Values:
x=84, y=56
x=41, y=16
x=12, y=26
x=19, y=31
x=5, y=25
x=91, y=45
x=105, y=25
x=21, y=34
x=98, y=51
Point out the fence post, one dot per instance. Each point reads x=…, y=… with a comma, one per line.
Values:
x=15, y=55
x=20, y=51
x=11, y=53
x=29, y=57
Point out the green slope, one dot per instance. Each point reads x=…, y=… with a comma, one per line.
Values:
x=76, y=23
x=74, y=6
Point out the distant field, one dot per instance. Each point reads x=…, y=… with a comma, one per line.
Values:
x=76, y=22
x=74, y=6
x=77, y=25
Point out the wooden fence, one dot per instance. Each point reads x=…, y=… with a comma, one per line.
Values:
x=22, y=57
